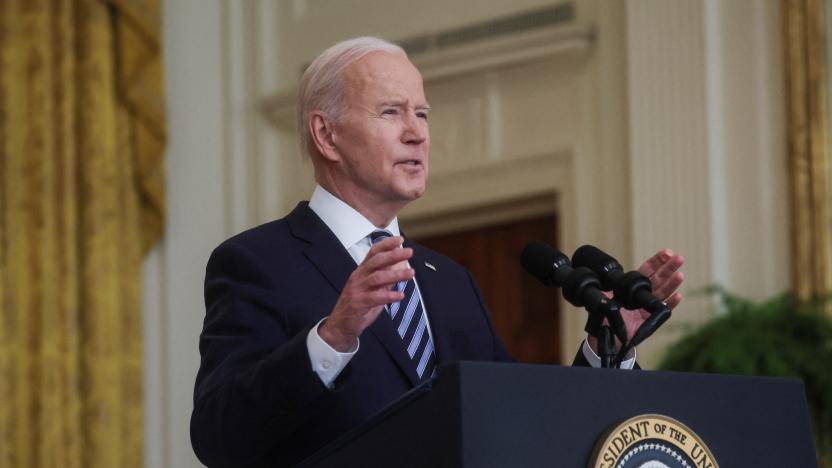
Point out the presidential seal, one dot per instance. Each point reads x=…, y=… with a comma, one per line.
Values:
x=651, y=441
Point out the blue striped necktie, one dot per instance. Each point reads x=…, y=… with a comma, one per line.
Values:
x=410, y=322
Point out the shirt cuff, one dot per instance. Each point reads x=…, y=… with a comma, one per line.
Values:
x=326, y=361
x=595, y=361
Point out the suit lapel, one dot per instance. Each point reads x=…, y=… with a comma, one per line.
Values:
x=431, y=285
x=330, y=258
x=324, y=251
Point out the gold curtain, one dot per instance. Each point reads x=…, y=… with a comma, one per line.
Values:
x=81, y=201
x=808, y=146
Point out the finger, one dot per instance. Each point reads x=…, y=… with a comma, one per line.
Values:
x=386, y=259
x=664, y=288
x=667, y=288
x=381, y=297
x=667, y=270
x=361, y=302
x=673, y=300
x=652, y=264
x=388, y=278
x=386, y=244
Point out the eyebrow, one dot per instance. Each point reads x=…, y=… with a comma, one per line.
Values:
x=402, y=104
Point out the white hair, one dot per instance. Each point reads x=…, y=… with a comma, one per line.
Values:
x=321, y=87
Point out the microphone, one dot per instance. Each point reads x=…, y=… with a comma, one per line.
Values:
x=580, y=286
x=632, y=289
x=548, y=265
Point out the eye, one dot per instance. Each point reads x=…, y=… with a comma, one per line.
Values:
x=422, y=115
x=390, y=111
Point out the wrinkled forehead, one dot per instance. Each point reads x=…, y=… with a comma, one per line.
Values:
x=383, y=76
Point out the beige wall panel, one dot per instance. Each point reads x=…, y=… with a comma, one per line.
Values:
x=457, y=123
x=669, y=146
x=754, y=145
x=707, y=152
x=539, y=109
x=512, y=113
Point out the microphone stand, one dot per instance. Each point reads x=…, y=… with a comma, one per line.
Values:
x=606, y=347
x=606, y=343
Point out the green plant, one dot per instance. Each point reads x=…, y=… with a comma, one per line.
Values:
x=781, y=337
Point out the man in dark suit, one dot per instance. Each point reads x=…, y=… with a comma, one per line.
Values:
x=316, y=321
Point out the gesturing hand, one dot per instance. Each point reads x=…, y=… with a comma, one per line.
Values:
x=662, y=270
x=366, y=292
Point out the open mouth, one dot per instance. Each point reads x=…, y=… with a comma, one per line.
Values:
x=411, y=162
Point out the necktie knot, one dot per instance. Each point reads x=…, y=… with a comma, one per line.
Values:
x=379, y=235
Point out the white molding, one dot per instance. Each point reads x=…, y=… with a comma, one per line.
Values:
x=567, y=43
x=491, y=184
x=707, y=164
x=195, y=223
x=669, y=147
x=279, y=109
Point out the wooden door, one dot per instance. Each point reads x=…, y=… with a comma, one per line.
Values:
x=524, y=312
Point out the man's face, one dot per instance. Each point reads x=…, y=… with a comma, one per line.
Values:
x=383, y=138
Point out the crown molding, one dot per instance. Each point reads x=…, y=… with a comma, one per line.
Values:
x=567, y=43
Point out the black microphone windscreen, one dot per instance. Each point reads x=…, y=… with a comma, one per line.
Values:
x=595, y=259
x=538, y=258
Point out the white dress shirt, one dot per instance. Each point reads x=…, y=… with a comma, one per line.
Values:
x=352, y=229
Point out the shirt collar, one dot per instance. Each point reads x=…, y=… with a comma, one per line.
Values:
x=348, y=225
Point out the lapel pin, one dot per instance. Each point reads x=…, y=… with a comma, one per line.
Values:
x=428, y=264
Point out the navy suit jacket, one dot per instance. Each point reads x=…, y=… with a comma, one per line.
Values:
x=257, y=401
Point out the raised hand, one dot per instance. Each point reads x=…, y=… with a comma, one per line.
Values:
x=366, y=292
x=662, y=269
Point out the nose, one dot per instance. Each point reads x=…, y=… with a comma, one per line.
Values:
x=415, y=129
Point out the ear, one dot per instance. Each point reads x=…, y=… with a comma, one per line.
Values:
x=320, y=129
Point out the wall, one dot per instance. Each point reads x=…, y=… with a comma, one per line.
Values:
x=707, y=147
x=675, y=138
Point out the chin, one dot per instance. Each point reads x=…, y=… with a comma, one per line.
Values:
x=411, y=192
x=416, y=192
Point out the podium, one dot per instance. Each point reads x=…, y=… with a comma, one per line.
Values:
x=478, y=414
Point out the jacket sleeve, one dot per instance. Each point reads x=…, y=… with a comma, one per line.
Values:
x=255, y=383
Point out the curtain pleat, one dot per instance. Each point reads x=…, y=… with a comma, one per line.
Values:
x=808, y=146
x=81, y=201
